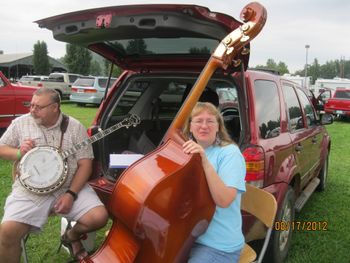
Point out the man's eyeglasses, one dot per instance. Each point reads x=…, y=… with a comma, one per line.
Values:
x=209, y=123
x=39, y=108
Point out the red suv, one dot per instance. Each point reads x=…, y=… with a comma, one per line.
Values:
x=162, y=50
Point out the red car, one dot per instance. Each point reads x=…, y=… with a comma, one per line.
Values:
x=162, y=50
x=339, y=103
x=14, y=100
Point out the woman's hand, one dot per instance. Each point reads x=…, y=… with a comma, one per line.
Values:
x=192, y=147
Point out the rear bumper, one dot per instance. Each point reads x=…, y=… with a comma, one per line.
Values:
x=338, y=112
x=93, y=99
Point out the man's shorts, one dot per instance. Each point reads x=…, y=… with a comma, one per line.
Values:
x=20, y=209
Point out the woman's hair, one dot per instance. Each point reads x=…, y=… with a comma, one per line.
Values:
x=211, y=109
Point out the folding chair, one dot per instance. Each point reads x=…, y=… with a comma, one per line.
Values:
x=263, y=206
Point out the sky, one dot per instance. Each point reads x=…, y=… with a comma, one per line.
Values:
x=324, y=25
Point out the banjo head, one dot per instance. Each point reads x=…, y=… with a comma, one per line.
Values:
x=42, y=170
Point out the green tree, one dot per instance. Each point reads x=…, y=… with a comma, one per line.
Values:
x=78, y=59
x=95, y=68
x=137, y=46
x=41, y=63
x=116, y=70
x=281, y=67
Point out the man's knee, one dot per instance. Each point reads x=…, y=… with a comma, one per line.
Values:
x=97, y=217
x=11, y=233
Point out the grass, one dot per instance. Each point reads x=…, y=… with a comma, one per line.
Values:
x=307, y=246
x=331, y=206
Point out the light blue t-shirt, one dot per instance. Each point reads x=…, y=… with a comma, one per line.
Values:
x=225, y=229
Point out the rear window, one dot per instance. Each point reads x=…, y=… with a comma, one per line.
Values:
x=84, y=82
x=342, y=94
x=161, y=46
x=102, y=82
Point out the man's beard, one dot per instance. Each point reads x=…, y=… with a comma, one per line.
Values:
x=37, y=120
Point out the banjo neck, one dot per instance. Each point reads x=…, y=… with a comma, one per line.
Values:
x=133, y=120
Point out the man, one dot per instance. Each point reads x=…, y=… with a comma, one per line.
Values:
x=26, y=211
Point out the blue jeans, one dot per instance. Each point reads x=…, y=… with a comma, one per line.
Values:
x=203, y=254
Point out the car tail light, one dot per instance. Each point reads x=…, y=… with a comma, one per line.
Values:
x=90, y=91
x=255, y=165
x=40, y=85
x=74, y=89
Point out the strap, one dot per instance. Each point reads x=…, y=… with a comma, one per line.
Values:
x=64, y=125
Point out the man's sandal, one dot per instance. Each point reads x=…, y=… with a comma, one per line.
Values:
x=65, y=241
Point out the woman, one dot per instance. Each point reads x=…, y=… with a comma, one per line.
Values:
x=224, y=168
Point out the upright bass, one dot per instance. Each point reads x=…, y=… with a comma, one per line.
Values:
x=161, y=203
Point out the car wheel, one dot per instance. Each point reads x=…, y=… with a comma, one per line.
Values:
x=323, y=175
x=282, y=238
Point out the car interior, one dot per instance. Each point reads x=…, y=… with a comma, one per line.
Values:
x=156, y=100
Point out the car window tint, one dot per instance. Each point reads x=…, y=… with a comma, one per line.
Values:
x=56, y=78
x=342, y=94
x=102, y=83
x=170, y=99
x=267, y=108
x=156, y=46
x=293, y=107
x=84, y=82
x=72, y=78
x=130, y=97
x=308, y=108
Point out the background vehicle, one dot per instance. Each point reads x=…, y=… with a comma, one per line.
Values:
x=14, y=101
x=89, y=90
x=61, y=82
x=32, y=80
x=284, y=143
x=339, y=104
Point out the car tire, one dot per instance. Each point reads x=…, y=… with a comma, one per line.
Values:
x=282, y=238
x=323, y=176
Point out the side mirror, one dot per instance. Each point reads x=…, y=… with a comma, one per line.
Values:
x=326, y=118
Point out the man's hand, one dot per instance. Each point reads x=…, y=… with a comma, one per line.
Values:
x=26, y=146
x=64, y=204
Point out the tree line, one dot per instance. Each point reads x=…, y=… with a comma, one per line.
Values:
x=80, y=60
x=77, y=59
x=329, y=70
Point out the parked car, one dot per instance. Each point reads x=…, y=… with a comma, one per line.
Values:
x=339, y=103
x=61, y=82
x=33, y=80
x=14, y=101
x=89, y=90
x=162, y=50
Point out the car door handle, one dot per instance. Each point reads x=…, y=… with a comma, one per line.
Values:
x=299, y=147
x=314, y=139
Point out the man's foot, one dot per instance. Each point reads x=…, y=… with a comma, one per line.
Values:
x=75, y=247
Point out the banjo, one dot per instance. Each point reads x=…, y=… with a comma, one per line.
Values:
x=44, y=169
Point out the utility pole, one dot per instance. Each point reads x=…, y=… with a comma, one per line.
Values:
x=307, y=48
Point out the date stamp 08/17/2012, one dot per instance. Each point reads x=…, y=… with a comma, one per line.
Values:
x=301, y=225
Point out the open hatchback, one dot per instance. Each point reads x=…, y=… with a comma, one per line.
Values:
x=173, y=56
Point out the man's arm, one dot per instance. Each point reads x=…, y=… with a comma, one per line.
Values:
x=8, y=153
x=82, y=175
